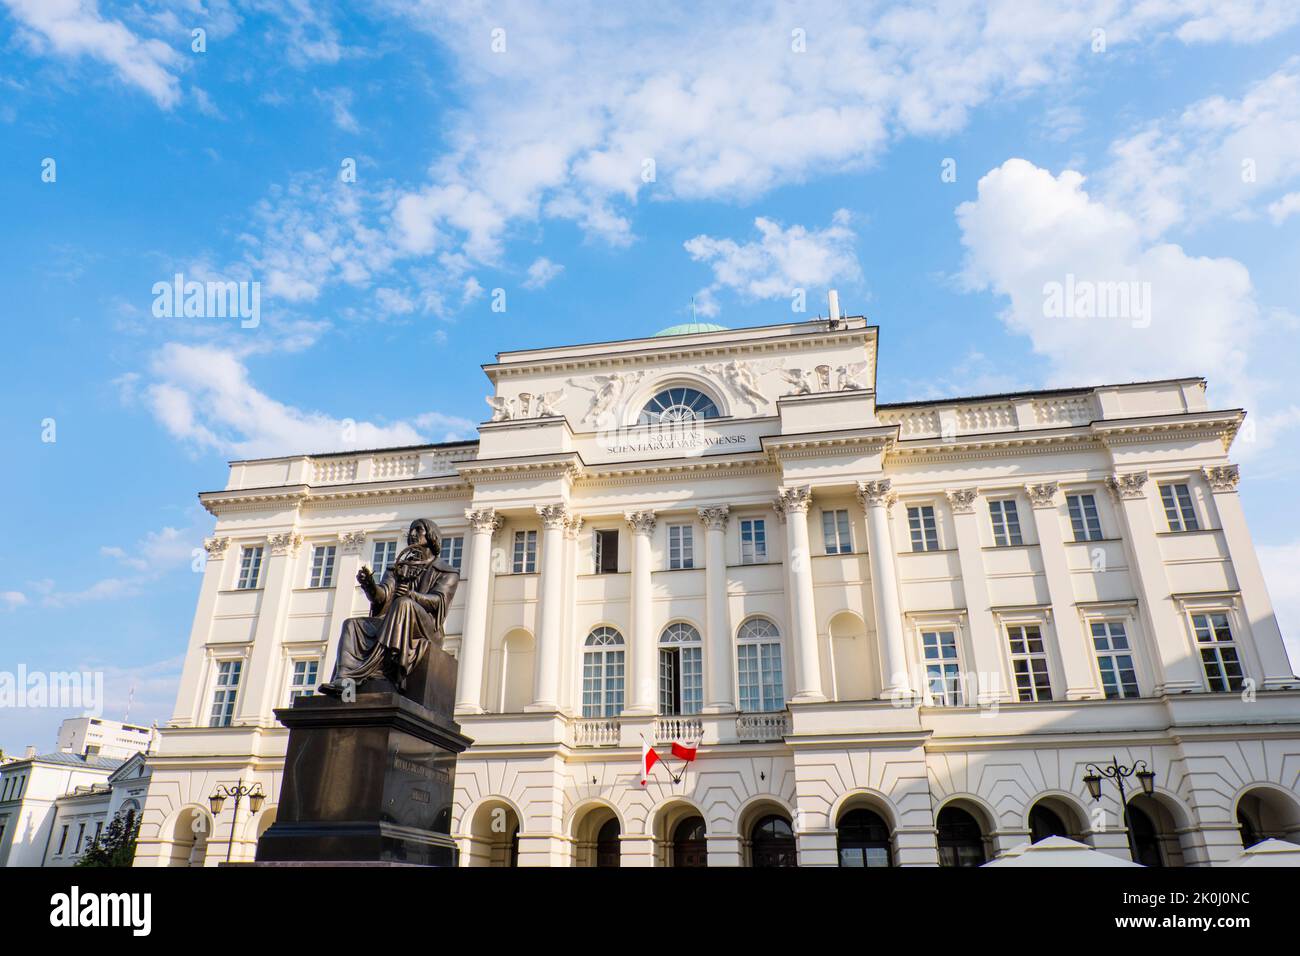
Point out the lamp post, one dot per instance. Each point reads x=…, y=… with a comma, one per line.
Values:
x=238, y=791
x=1118, y=772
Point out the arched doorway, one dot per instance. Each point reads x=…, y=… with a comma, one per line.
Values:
x=1267, y=814
x=189, y=838
x=690, y=848
x=493, y=836
x=596, y=833
x=862, y=838
x=771, y=843
x=1153, y=830
x=607, y=844
x=1045, y=822
x=960, y=837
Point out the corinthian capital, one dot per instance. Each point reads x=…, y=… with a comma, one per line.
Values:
x=962, y=500
x=641, y=522
x=1043, y=494
x=216, y=547
x=484, y=520
x=350, y=542
x=572, y=526
x=286, y=543
x=554, y=515
x=715, y=518
x=878, y=493
x=793, y=499
x=1222, y=477
x=1129, y=484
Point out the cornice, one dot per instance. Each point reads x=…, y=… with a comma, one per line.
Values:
x=826, y=444
x=568, y=466
x=1222, y=425
x=1002, y=444
x=673, y=470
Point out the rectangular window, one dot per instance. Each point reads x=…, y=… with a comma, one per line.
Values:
x=602, y=683
x=925, y=533
x=81, y=832
x=385, y=554
x=303, y=683
x=681, y=680
x=99, y=829
x=453, y=550
x=1218, y=652
x=1006, y=523
x=681, y=547
x=223, y=697
x=760, y=679
x=322, y=566
x=1177, y=499
x=525, y=552
x=753, y=541
x=1083, y=517
x=250, y=567
x=835, y=532
x=63, y=838
x=1114, y=659
x=604, y=551
x=1029, y=662
x=942, y=667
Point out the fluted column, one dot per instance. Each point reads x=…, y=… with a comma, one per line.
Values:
x=483, y=523
x=546, y=676
x=645, y=669
x=1269, y=647
x=794, y=502
x=717, y=662
x=876, y=498
x=984, y=637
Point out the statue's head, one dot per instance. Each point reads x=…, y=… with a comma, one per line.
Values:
x=423, y=532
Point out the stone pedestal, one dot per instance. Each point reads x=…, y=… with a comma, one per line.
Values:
x=371, y=779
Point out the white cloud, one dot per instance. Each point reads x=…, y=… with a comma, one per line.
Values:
x=75, y=28
x=204, y=396
x=1281, y=565
x=339, y=100
x=1282, y=209
x=12, y=599
x=779, y=261
x=541, y=272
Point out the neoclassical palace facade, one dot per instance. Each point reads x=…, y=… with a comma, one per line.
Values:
x=899, y=633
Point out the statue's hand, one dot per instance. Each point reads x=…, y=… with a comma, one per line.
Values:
x=364, y=575
x=403, y=589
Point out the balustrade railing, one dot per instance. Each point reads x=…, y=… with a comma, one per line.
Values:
x=757, y=727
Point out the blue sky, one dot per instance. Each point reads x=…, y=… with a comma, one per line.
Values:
x=504, y=146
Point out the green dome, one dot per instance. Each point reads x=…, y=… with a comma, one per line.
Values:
x=691, y=328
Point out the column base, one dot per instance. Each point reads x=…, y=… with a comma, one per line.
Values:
x=542, y=707
x=808, y=697
x=725, y=708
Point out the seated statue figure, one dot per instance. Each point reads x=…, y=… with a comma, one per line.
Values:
x=407, y=611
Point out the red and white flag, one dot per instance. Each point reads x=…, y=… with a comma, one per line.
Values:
x=683, y=752
x=648, y=759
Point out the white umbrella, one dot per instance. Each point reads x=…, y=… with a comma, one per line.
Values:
x=1057, y=851
x=1269, y=853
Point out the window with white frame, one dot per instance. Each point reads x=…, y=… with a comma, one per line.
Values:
x=1219, y=657
x=322, y=565
x=1006, y=522
x=604, y=551
x=602, y=673
x=525, y=555
x=385, y=553
x=925, y=532
x=681, y=547
x=225, y=692
x=453, y=550
x=753, y=541
x=681, y=670
x=250, y=567
x=1177, y=499
x=302, y=682
x=836, y=532
x=942, y=667
x=758, y=666
x=1114, y=659
x=1084, y=520
x=1029, y=662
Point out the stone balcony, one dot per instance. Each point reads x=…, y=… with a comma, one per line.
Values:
x=585, y=732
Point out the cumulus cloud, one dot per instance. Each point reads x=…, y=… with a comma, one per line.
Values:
x=776, y=263
x=1283, y=209
x=204, y=396
x=541, y=272
x=12, y=599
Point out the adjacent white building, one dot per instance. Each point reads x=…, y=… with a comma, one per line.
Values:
x=107, y=738
x=899, y=632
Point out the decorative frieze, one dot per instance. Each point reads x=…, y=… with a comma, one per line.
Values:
x=484, y=520
x=793, y=499
x=962, y=500
x=1222, y=477
x=1043, y=494
x=641, y=522
x=287, y=542
x=1129, y=484
x=553, y=515
x=350, y=542
x=216, y=548
x=715, y=518
x=876, y=494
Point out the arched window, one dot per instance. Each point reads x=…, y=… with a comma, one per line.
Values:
x=758, y=666
x=607, y=849
x=771, y=843
x=961, y=841
x=681, y=670
x=678, y=405
x=1045, y=822
x=689, y=846
x=863, y=839
x=602, y=673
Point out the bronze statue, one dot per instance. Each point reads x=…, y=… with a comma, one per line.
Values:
x=407, y=611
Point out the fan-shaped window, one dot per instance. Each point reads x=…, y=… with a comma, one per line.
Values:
x=602, y=673
x=681, y=670
x=758, y=666
x=678, y=405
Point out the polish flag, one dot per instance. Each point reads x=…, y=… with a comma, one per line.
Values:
x=648, y=759
x=683, y=752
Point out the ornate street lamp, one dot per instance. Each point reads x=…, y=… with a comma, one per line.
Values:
x=1119, y=772
x=239, y=790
